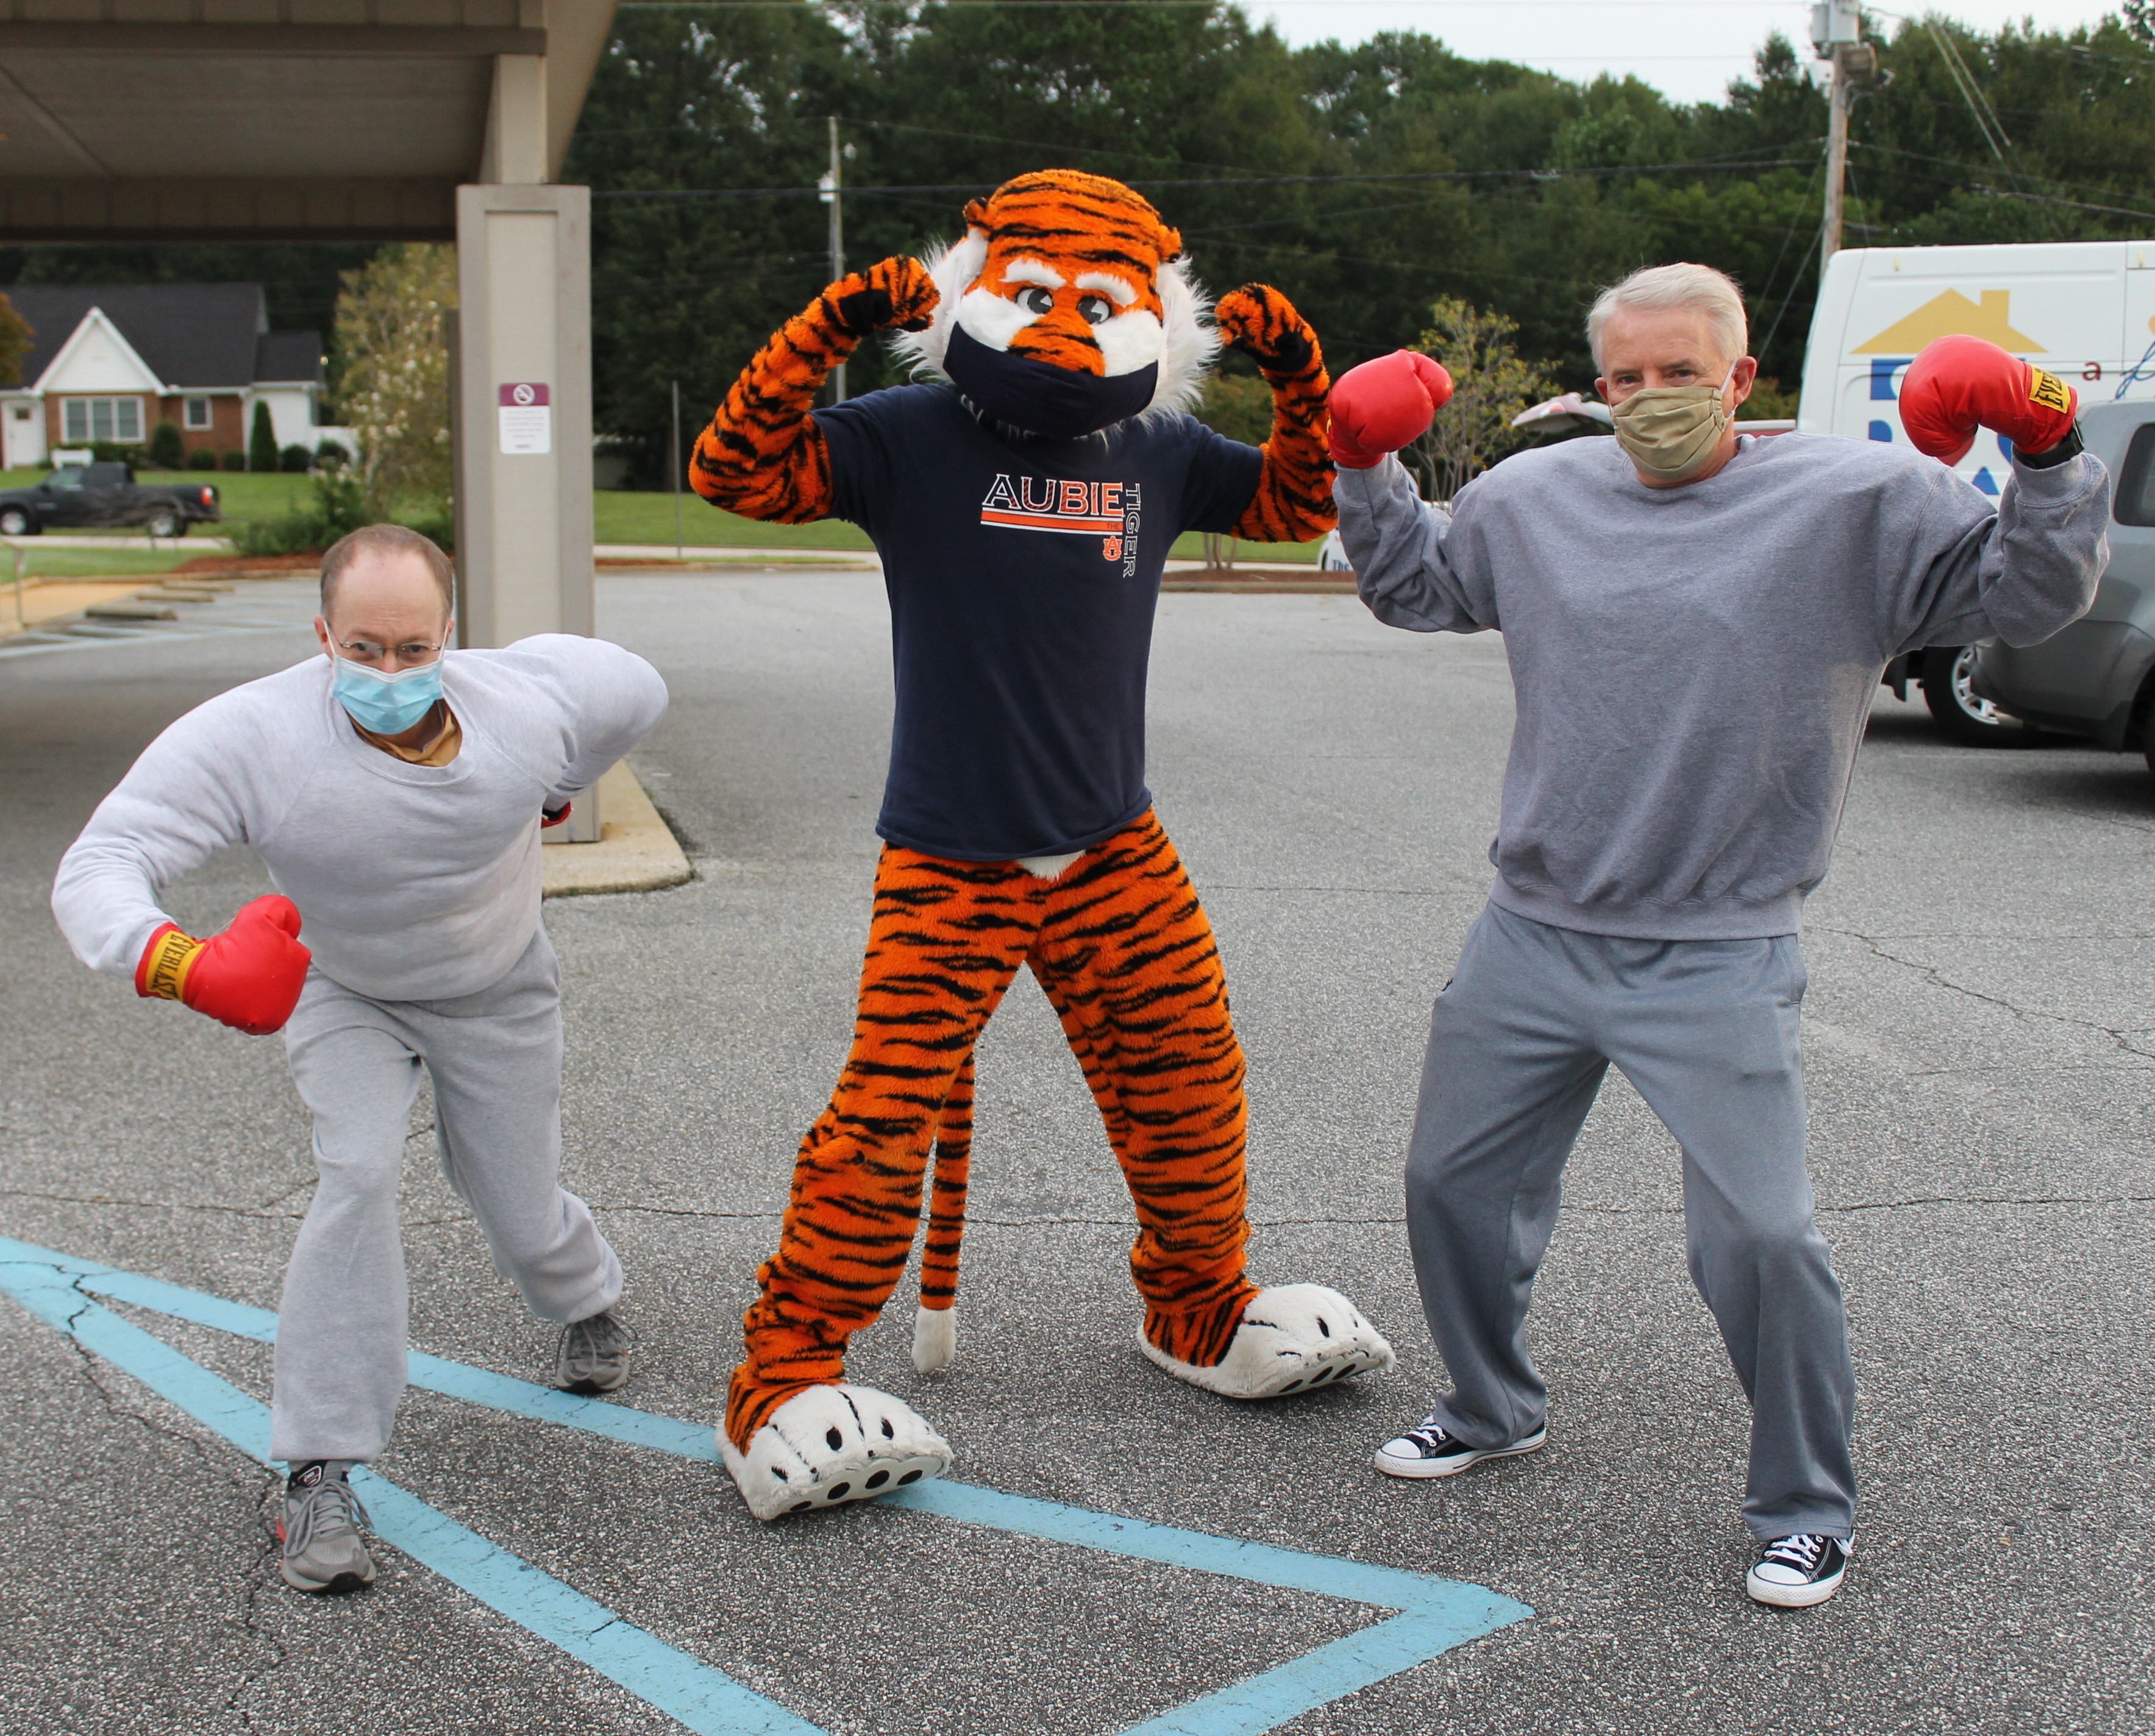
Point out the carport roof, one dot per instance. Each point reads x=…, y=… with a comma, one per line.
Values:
x=123, y=118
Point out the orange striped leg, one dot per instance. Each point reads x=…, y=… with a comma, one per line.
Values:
x=1127, y=957
x=946, y=939
x=946, y=1202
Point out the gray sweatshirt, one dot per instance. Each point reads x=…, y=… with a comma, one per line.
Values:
x=414, y=882
x=1693, y=666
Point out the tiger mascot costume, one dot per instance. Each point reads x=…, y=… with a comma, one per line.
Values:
x=1023, y=504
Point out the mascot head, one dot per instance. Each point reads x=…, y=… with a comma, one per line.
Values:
x=1066, y=309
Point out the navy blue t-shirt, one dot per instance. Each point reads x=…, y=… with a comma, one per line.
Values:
x=1023, y=580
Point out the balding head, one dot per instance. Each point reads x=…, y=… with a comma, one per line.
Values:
x=386, y=586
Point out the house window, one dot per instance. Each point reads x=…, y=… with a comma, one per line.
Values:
x=101, y=419
x=198, y=412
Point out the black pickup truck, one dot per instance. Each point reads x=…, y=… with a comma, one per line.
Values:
x=102, y=496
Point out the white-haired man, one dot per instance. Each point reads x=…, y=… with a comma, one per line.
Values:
x=1695, y=621
x=394, y=791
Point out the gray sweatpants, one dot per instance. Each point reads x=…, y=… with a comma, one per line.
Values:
x=495, y=1061
x=1519, y=1045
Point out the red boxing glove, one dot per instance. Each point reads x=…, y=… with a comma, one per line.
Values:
x=1960, y=384
x=249, y=977
x=1384, y=404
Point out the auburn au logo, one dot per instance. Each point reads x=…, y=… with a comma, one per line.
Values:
x=1106, y=510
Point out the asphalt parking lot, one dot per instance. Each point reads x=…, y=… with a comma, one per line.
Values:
x=1981, y=1050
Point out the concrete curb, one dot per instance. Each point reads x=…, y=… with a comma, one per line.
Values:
x=636, y=853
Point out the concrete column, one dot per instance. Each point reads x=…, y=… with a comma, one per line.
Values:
x=523, y=412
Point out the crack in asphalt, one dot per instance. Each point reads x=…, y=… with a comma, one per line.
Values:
x=254, y=1211
x=1934, y=975
x=253, y=1584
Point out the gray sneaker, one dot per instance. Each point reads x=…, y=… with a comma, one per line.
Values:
x=319, y=1530
x=593, y=1354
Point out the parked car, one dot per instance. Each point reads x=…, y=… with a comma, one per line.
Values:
x=2097, y=678
x=101, y=496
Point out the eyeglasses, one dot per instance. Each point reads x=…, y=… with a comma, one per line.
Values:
x=370, y=651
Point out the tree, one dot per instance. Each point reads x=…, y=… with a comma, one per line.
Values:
x=168, y=449
x=392, y=329
x=261, y=440
x=1492, y=383
x=15, y=336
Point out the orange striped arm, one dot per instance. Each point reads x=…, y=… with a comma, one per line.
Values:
x=763, y=456
x=1293, y=500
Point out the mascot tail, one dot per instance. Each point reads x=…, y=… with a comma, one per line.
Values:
x=935, y=1326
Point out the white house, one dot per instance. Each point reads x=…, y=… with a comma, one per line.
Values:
x=108, y=361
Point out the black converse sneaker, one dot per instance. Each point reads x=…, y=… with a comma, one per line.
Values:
x=1432, y=1450
x=1794, y=1573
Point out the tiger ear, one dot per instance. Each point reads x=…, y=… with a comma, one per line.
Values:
x=1170, y=244
x=976, y=213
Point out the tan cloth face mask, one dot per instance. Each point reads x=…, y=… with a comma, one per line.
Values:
x=1672, y=430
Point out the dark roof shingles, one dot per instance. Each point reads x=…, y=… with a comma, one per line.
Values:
x=203, y=336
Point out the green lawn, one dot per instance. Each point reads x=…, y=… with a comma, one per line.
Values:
x=240, y=494
x=648, y=517
x=44, y=563
x=619, y=517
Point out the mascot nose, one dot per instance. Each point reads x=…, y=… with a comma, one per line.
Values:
x=1062, y=339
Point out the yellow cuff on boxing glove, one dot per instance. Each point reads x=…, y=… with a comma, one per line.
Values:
x=162, y=973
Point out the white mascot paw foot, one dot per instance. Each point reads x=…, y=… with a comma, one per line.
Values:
x=934, y=1339
x=1292, y=1338
x=833, y=1444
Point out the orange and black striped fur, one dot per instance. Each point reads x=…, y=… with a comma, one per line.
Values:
x=1123, y=948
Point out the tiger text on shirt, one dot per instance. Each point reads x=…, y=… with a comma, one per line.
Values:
x=1106, y=510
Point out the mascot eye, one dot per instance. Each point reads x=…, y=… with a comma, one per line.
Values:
x=1095, y=309
x=1036, y=300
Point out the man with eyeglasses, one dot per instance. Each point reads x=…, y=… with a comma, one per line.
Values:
x=394, y=790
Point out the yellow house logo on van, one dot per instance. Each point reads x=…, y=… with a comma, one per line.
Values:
x=1952, y=315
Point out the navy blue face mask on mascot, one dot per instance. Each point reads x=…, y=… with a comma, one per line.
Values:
x=1060, y=403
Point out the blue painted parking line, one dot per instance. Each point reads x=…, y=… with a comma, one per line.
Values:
x=1435, y=1615
x=694, y=1695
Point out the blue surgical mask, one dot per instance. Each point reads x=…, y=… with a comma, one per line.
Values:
x=388, y=704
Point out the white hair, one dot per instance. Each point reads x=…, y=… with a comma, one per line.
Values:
x=1701, y=288
x=1192, y=347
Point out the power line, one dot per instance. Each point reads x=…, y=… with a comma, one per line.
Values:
x=1748, y=160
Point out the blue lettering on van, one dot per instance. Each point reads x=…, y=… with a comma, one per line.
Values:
x=1982, y=480
x=1882, y=370
x=1882, y=431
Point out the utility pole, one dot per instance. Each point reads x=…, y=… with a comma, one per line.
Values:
x=831, y=195
x=1837, y=35
x=676, y=449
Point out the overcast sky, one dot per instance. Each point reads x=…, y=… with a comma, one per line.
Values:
x=1689, y=49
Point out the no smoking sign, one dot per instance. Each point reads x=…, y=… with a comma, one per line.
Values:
x=527, y=417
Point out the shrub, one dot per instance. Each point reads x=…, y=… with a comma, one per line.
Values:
x=234, y=461
x=167, y=449
x=262, y=441
x=441, y=526
x=202, y=459
x=114, y=452
x=296, y=460
x=331, y=456
x=334, y=505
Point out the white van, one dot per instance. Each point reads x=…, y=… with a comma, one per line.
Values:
x=2084, y=310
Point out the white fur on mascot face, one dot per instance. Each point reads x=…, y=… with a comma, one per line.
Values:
x=1060, y=329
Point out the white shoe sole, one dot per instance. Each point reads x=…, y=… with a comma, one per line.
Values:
x=1463, y=1462
x=1792, y=1597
